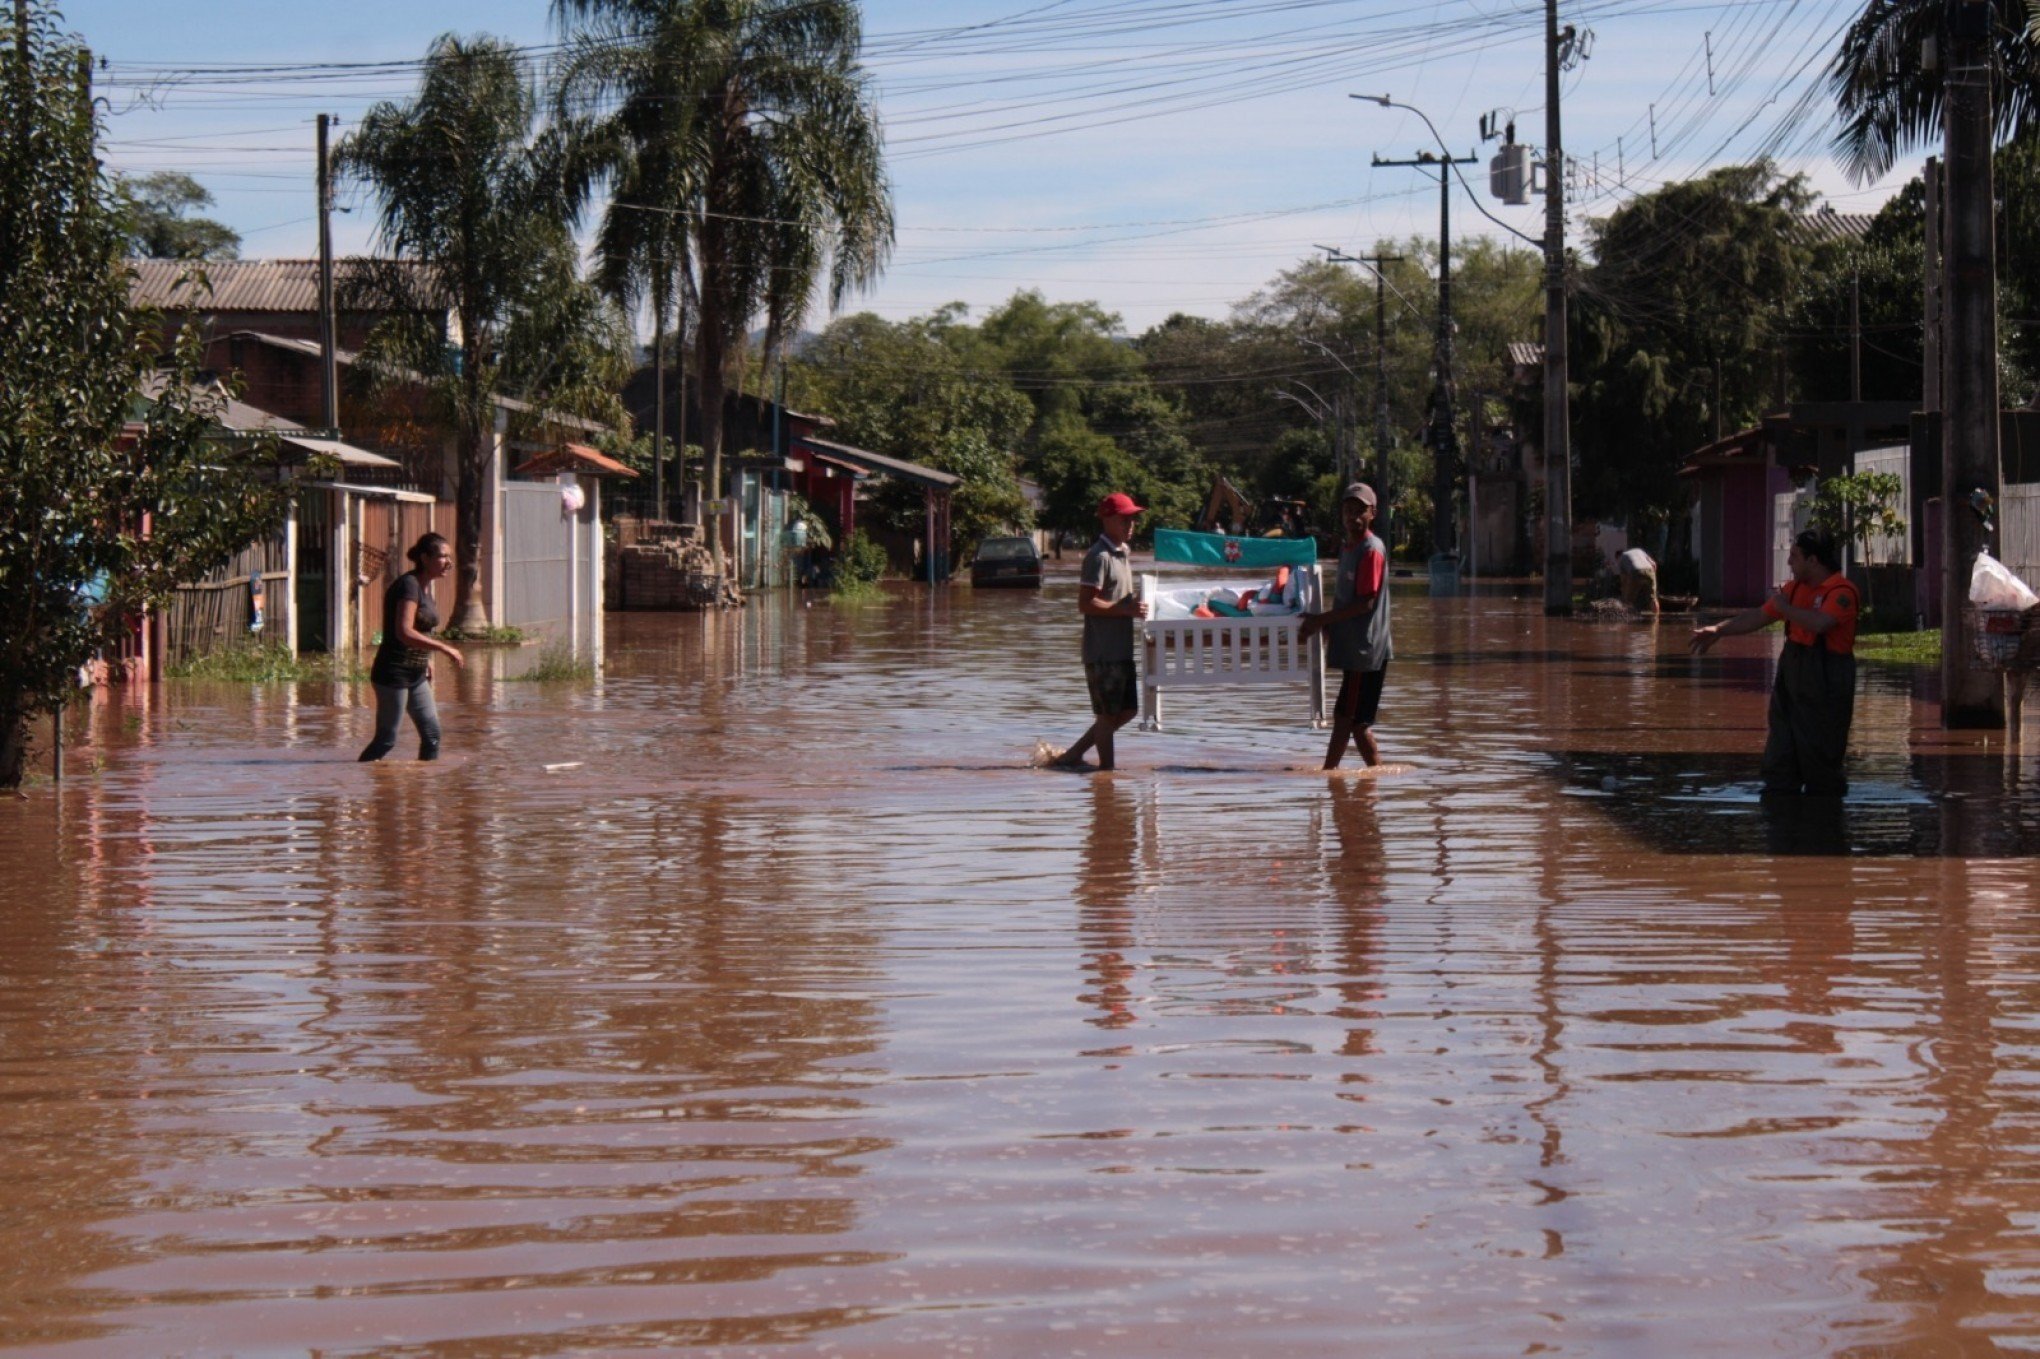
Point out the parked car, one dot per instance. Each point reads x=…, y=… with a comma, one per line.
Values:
x=1007, y=561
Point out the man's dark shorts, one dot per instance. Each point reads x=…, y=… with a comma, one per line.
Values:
x=1114, y=687
x=1367, y=701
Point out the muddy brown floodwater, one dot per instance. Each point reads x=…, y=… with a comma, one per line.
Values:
x=802, y=1016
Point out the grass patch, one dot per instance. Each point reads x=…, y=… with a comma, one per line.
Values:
x=1901, y=648
x=857, y=592
x=484, y=636
x=558, y=664
x=271, y=664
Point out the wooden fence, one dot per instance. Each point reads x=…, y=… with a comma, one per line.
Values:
x=215, y=613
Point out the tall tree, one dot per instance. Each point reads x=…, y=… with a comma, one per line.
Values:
x=752, y=121
x=1677, y=327
x=104, y=514
x=1891, y=102
x=160, y=226
x=475, y=215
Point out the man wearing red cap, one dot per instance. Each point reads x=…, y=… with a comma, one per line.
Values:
x=1107, y=599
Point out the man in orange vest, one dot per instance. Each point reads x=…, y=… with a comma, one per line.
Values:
x=1814, y=697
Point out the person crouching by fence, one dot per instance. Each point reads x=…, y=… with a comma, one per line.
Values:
x=402, y=672
x=1637, y=572
x=1813, y=699
x=1109, y=602
x=1357, y=642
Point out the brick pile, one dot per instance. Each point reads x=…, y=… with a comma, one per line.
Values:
x=669, y=574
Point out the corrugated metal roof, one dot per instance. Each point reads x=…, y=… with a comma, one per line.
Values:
x=880, y=463
x=347, y=358
x=232, y=285
x=1829, y=225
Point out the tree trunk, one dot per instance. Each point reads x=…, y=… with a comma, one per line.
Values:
x=709, y=392
x=469, y=612
x=13, y=749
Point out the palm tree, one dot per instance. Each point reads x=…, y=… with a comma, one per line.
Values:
x=475, y=217
x=1889, y=104
x=742, y=154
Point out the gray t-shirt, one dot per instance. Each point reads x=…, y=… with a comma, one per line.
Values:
x=1109, y=570
x=1360, y=643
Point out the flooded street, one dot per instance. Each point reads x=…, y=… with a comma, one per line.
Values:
x=800, y=1014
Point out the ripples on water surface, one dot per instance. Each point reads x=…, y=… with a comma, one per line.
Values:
x=803, y=1016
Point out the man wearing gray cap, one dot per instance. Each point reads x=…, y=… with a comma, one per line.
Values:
x=1356, y=628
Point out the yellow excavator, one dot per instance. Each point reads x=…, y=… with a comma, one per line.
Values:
x=1228, y=511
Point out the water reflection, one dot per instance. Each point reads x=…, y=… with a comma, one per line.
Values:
x=799, y=1010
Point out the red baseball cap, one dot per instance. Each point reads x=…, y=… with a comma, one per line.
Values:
x=1119, y=502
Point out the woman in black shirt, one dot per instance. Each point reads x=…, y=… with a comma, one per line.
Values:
x=402, y=673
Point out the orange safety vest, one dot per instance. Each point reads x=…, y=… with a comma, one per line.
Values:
x=1836, y=597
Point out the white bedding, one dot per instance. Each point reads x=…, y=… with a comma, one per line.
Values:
x=1257, y=598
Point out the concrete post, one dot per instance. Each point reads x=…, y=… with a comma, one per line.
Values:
x=1969, y=453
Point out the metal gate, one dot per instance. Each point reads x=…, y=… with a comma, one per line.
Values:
x=1790, y=511
x=537, y=558
x=2019, y=530
x=551, y=561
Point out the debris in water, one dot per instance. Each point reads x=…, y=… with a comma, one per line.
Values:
x=562, y=768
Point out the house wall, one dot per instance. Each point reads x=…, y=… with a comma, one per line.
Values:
x=1735, y=547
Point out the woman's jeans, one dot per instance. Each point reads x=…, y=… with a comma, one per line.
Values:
x=390, y=702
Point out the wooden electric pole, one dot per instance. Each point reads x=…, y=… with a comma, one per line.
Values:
x=1443, y=434
x=329, y=350
x=1970, y=475
x=1557, y=423
x=1930, y=351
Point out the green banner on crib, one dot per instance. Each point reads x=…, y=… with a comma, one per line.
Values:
x=1226, y=550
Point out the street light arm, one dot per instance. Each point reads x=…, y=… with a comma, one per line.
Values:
x=1328, y=353
x=1459, y=174
x=1319, y=412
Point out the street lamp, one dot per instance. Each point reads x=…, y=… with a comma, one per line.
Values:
x=1443, y=438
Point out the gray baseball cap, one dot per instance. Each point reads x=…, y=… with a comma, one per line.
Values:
x=1359, y=491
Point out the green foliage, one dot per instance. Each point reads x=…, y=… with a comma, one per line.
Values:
x=492, y=636
x=1078, y=468
x=749, y=128
x=475, y=214
x=270, y=664
x=862, y=562
x=558, y=663
x=818, y=533
x=86, y=462
x=1058, y=353
x=1859, y=507
x=1675, y=327
x=158, y=227
x=1901, y=648
x=1890, y=101
x=904, y=390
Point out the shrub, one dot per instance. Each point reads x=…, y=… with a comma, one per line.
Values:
x=862, y=562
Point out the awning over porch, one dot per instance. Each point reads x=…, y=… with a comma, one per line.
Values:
x=579, y=459
x=879, y=464
x=937, y=488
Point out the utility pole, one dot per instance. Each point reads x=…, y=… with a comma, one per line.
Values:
x=1384, y=513
x=1855, y=333
x=1381, y=431
x=658, y=383
x=1557, y=424
x=329, y=355
x=1970, y=470
x=680, y=381
x=1443, y=437
x=1930, y=355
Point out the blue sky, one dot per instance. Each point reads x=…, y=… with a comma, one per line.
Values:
x=1151, y=155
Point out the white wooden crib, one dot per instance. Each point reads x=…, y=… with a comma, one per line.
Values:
x=1211, y=653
